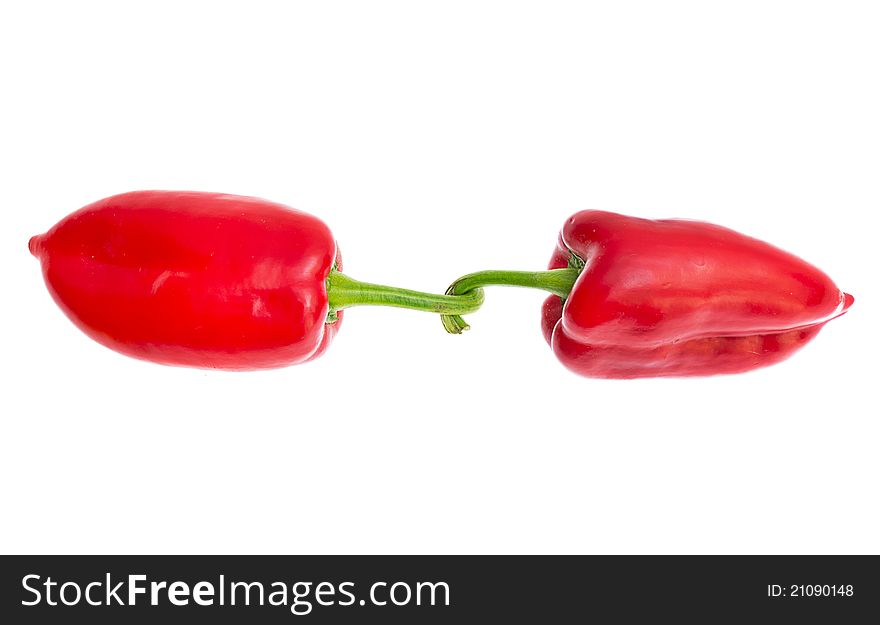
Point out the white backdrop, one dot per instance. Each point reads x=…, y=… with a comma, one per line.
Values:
x=438, y=139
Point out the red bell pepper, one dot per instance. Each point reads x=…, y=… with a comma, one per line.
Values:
x=208, y=280
x=643, y=298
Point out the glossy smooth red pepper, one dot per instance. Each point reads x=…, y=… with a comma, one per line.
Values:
x=208, y=280
x=644, y=298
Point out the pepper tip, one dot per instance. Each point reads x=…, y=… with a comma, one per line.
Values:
x=34, y=244
x=847, y=301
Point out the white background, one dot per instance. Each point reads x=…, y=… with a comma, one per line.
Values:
x=438, y=139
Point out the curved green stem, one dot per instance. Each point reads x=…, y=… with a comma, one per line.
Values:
x=345, y=292
x=556, y=281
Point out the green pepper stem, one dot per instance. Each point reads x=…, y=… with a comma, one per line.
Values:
x=345, y=292
x=556, y=281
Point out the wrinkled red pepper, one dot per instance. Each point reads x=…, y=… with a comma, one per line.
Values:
x=643, y=298
x=208, y=280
